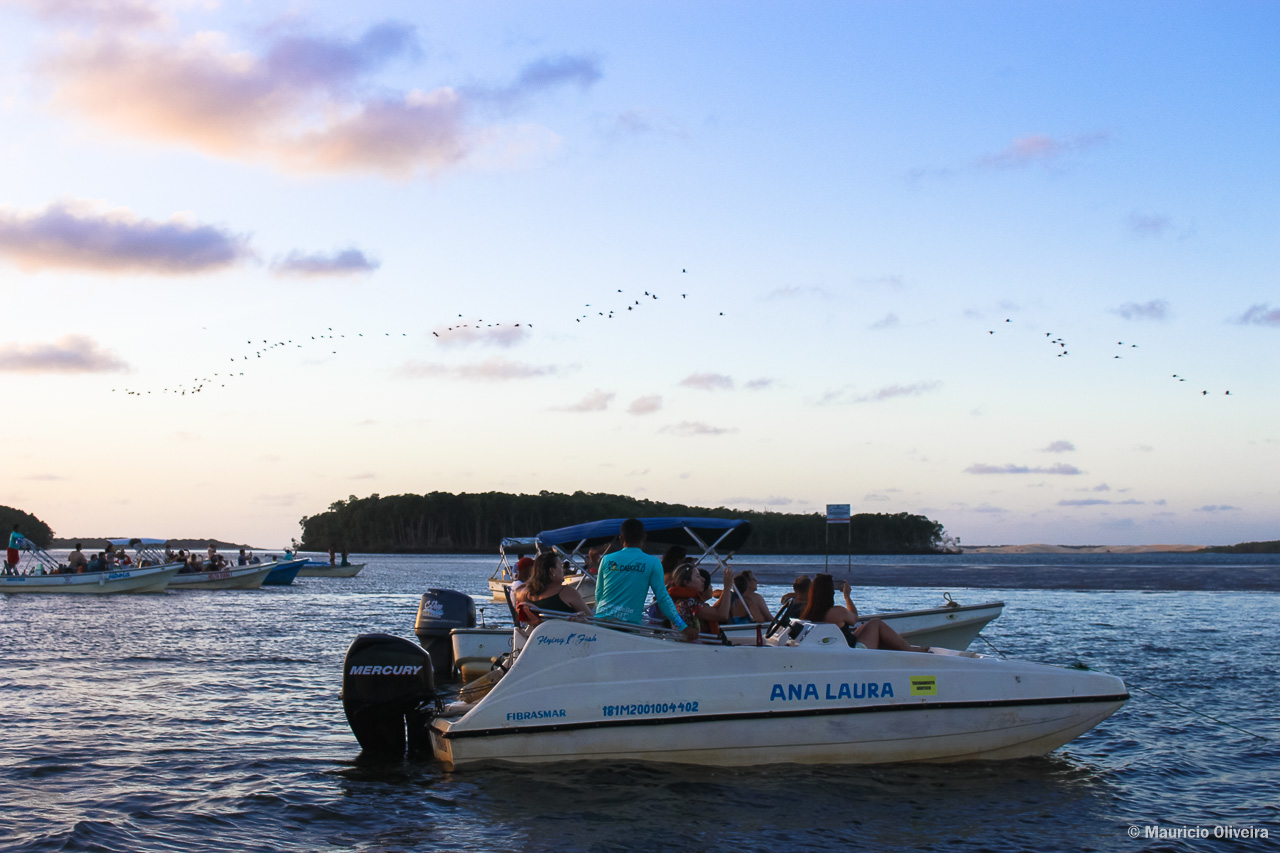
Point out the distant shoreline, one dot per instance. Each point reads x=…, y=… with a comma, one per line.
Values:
x=1041, y=548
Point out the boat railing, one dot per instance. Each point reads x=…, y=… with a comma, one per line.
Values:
x=656, y=631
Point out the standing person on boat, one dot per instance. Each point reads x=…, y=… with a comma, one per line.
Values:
x=872, y=633
x=243, y=559
x=333, y=560
x=627, y=576
x=15, y=542
x=545, y=589
x=76, y=560
x=594, y=556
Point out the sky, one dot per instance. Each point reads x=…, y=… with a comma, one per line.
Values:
x=1012, y=266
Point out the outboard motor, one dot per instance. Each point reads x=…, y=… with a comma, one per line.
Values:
x=387, y=684
x=439, y=612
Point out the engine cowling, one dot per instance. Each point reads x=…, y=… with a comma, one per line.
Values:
x=388, y=692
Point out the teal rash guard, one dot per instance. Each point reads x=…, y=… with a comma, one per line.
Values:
x=623, y=584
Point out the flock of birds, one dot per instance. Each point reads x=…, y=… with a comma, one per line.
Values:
x=256, y=350
x=1060, y=350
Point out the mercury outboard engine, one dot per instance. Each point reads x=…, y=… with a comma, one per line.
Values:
x=439, y=612
x=387, y=687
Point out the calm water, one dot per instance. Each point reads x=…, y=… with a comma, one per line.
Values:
x=211, y=721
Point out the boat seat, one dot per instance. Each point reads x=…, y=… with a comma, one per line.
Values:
x=802, y=633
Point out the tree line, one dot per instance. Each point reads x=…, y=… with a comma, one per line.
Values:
x=440, y=522
x=28, y=525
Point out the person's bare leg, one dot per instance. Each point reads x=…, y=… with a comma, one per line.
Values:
x=874, y=634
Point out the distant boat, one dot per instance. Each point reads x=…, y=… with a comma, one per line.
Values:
x=283, y=571
x=318, y=569
x=227, y=576
x=41, y=572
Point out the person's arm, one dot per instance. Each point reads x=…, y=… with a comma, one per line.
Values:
x=574, y=599
x=848, y=602
x=721, y=610
x=667, y=606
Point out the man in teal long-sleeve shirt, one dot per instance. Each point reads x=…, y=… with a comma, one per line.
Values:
x=625, y=578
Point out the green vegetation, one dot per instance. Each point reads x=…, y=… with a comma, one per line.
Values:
x=1246, y=548
x=28, y=525
x=474, y=523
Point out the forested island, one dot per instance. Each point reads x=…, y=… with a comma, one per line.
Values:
x=441, y=522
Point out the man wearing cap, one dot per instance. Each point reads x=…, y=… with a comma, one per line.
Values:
x=524, y=566
x=625, y=579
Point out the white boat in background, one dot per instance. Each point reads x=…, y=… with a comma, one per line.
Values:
x=598, y=691
x=529, y=546
x=317, y=569
x=225, y=577
x=41, y=572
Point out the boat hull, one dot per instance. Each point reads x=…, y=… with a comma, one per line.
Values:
x=150, y=579
x=590, y=693
x=282, y=572
x=348, y=571
x=238, y=577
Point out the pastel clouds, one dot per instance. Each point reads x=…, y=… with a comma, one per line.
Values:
x=304, y=103
x=68, y=354
x=708, y=381
x=491, y=370
x=1061, y=468
x=846, y=396
x=320, y=264
x=498, y=336
x=596, y=401
x=79, y=236
x=645, y=405
x=1260, y=315
x=1058, y=447
x=1156, y=309
x=1039, y=149
x=696, y=428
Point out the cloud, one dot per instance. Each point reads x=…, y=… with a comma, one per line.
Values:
x=888, y=321
x=1084, y=502
x=68, y=354
x=645, y=405
x=1058, y=447
x=1217, y=508
x=1061, y=468
x=596, y=401
x=1039, y=149
x=642, y=122
x=877, y=498
x=760, y=384
x=1103, y=487
x=302, y=103
x=796, y=292
x=498, y=336
x=491, y=370
x=693, y=428
x=79, y=236
x=110, y=13
x=1156, y=309
x=1260, y=315
x=1149, y=225
x=845, y=396
x=708, y=381
x=772, y=500
x=540, y=75
x=318, y=264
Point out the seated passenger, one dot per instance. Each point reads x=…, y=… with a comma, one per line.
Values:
x=689, y=591
x=243, y=560
x=748, y=605
x=794, y=602
x=96, y=564
x=76, y=560
x=545, y=590
x=872, y=633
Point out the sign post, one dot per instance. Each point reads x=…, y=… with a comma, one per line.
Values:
x=838, y=514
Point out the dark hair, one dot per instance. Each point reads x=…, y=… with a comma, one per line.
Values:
x=742, y=579
x=540, y=578
x=632, y=531
x=706, y=578
x=682, y=574
x=802, y=584
x=672, y=558
x=822, y=597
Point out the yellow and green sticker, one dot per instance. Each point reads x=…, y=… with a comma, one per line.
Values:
x=924, y=685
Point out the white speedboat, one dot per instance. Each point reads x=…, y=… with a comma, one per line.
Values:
x=595, y=691
x=527, y=546
x=39, y=571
